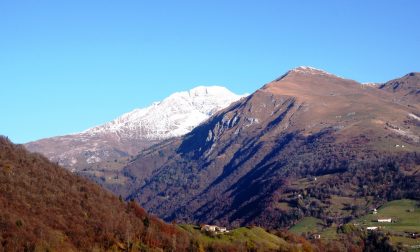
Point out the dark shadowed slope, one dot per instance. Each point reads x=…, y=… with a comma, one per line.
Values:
x=308, y=143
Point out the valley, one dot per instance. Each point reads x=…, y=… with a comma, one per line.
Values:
x=209, y=126
x=298, y=164
x=44, y=207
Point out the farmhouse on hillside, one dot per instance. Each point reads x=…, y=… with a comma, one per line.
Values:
x=214, y=228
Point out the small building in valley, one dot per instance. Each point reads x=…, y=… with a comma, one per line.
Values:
x=316, y=236
x=214, y=229
x=210, y=228
x=388, y=220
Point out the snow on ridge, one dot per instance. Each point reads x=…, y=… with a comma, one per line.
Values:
x=310, y=70
x=176, y=115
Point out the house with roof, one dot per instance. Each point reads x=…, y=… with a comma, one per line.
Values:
x=214, y=229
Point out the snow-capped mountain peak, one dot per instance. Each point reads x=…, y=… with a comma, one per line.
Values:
x=108, y=145
x=176, y=115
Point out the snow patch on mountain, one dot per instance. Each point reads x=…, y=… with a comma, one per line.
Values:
x=311, y=70
x=176, y=115
x=307, y=70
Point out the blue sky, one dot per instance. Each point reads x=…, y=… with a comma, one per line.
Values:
x=68, y=65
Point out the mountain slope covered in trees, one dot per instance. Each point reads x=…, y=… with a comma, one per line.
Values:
x=44, y=207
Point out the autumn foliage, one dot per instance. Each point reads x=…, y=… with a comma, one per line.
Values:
x=45, y=207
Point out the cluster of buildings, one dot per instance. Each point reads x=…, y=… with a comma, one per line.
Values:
x=379, y=220
x=215, y=229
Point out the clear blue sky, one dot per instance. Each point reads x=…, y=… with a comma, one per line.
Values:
x=68, y=65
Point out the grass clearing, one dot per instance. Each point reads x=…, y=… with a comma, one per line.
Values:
x=307, y=225
x=252, y=235
x=330, y=233
x=405, y=215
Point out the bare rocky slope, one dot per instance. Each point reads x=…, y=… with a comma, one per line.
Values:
x=406, y=89
x=307, y=144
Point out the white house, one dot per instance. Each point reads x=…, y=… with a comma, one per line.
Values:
x=221, y=229
x=372, y=228
x=215, y=229
x=316, y=236
x=375, y=211
x=385, y=220
x=210, y=228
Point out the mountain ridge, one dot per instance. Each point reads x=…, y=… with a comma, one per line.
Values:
x=240, y=165
x=406, y=88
